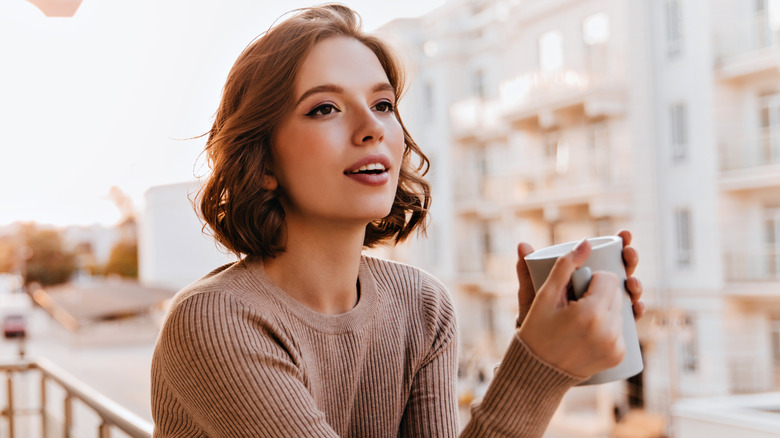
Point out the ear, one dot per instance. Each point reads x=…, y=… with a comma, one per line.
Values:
x=270, y=183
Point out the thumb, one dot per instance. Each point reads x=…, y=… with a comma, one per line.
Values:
x=525, y=293
x=523, y=275
x=554, y=289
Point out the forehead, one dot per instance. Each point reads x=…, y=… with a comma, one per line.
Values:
x=342, y=61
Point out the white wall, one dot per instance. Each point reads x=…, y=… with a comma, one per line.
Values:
x=172, y=249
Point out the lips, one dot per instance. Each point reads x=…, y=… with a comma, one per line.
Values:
x=371, y=170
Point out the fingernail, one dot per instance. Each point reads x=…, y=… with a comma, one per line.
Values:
x=580, y=245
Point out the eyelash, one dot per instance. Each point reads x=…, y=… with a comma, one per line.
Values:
x=318, y=111
x=390, y=107
x=320, y=108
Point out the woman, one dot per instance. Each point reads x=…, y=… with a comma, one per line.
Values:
x=305, y=336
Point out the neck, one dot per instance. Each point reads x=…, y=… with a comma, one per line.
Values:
x=319, y=266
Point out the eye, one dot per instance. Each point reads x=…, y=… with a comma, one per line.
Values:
x=322, y=110
x=384, y=107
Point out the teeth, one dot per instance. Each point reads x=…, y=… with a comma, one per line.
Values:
x=372, y=166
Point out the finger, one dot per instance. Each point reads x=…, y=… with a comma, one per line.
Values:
x=525, y=293
x=523, y=275
x=560, y=275
x=634, y=288
x=626, y=236
x=639, y=309
x=602, y=292
x=630, y=259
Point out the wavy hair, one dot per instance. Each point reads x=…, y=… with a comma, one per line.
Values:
x=245, y=217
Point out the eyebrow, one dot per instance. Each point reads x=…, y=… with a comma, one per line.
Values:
x=331, y=88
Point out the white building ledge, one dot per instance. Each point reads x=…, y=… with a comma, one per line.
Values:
x=753, y=415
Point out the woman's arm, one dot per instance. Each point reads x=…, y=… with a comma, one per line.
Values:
x=520, y=401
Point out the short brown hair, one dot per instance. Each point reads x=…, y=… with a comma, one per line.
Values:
x=245, y=217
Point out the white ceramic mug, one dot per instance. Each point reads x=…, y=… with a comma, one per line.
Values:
x=606, y=255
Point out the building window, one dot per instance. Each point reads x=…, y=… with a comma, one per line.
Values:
x=551, y=145
x=684, y=244
x=595, y=34
x=551, y=52
x=600, y=151
x=772, y=242
x=767, y=22
x=595, y=29
x=689, y=359
x=478, y=83
x=769, y=108
x=486, y=244
x=678, y=118
x=674, y=34
x=489, y=315
x=774, y=336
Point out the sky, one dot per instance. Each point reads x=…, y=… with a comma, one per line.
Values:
x=114, y=96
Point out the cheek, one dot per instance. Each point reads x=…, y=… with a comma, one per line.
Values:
x=396, y=141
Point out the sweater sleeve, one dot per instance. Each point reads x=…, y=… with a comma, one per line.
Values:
x=519, y=402
x=232, y=374
x=522, y=397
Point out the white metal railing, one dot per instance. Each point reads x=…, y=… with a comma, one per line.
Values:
x=759, y=33
x=475, y=114
x=760, y=149
x=741, y=266
x=535, y=85
x=112, y=415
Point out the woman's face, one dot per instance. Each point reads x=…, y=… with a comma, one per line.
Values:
x=338, y=154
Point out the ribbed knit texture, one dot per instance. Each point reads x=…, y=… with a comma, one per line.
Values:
x=238, y=357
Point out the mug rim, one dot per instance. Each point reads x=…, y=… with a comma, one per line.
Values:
x=555, y=251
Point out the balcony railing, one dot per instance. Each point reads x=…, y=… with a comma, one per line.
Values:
x=760, y=33
x=761, y=149
x=474, y=115
x=742, y=266
x=110, y=415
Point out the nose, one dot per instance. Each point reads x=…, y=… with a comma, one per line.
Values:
x=368, y=128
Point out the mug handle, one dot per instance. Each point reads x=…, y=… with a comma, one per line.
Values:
x=580, y=280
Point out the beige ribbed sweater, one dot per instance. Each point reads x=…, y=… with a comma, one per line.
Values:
x=238, y=357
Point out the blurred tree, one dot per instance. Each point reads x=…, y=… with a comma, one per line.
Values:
x=123, y=259
x=49, y=263
x=8, y=251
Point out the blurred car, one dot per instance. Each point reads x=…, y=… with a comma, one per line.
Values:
x=14, y=326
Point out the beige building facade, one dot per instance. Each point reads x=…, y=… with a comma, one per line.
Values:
x=550, y=120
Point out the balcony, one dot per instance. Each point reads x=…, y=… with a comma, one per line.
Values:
x=566, y=180
x=749, y=415
x=750, y=49
x=476, y=119
x=480, y=196
x=751, y=163
x=492, y=274
x=537, y=96
x=753, y=267
x=79, y=411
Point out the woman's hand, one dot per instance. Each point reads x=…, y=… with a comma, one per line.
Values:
x=526, y=294
x=633, y=285
x=579, y=337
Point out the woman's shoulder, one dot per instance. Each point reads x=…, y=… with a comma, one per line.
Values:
x=413, y=288
x=229, y=286
x=396, y=274
x=227, y=302
x=421, y=297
